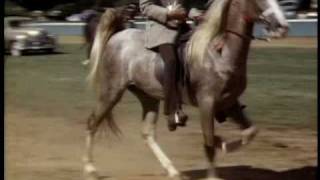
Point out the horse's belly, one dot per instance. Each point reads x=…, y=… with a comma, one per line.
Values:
x=148, y=77
x=143, y=75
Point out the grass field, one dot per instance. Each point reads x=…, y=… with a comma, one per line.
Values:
x=282, y=85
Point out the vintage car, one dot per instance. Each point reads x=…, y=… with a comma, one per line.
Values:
x=20, y=39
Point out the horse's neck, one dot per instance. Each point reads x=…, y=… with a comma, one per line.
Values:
x=238, y=37
x=239, y=29
x=238, y=33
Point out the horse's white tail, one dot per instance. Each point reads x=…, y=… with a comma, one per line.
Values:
x=108, y=25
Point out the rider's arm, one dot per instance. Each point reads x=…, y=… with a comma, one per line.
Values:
x=197, y=8
x=153, y=11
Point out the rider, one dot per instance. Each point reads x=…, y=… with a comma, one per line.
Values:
x=166, y=16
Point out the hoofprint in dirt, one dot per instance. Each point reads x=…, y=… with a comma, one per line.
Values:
x=47, y=105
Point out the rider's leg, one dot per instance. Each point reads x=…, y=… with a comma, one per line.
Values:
x=171, y=103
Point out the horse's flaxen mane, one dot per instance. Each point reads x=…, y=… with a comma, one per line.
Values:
x=209, y=30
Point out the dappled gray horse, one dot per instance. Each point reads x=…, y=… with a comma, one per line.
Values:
x=216, y=59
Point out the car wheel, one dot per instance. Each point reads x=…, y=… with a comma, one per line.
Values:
x=14, y=51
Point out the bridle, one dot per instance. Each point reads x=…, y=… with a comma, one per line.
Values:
x=249, y=20
x=245, y=36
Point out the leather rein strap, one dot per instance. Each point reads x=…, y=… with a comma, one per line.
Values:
x=242, y=36
x=247, y=20
x=246, y=37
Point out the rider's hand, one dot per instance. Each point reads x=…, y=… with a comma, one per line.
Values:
x=177, y=14
x=198, y=19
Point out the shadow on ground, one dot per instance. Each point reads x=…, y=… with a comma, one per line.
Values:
x=250, y=173
x=44, y=53
x=40, y=53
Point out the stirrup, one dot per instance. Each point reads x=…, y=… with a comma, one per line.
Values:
x=180, y=118
x=177, y=120
x=172, y=122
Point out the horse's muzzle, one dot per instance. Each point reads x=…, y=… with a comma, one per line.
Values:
x=278, y=32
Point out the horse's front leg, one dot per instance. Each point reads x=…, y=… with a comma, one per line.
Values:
x=239, y=116
x=206, y=105
x=249, y=131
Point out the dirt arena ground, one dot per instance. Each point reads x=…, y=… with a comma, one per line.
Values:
x=50, y=148
x=49, y=144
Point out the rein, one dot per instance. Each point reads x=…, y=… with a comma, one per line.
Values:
x=248, y=20
x=246, y=37
x=242, y=36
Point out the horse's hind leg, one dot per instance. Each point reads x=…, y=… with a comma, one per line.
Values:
x=102, y=112
x=150, y=117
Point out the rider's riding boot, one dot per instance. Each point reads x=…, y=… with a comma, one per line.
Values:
x=183, y=118
x=176, y=119
x=171, y=104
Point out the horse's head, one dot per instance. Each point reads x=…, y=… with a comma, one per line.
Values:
x=270, y=13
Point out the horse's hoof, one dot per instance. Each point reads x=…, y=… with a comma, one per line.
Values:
x=228, y=147
x=91, y=173
x=248, y=134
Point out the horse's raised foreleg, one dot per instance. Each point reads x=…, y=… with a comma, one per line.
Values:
x=102, y=113
x=206, y=106
x=249, y=131
x=238, y=115
x=150, y=117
